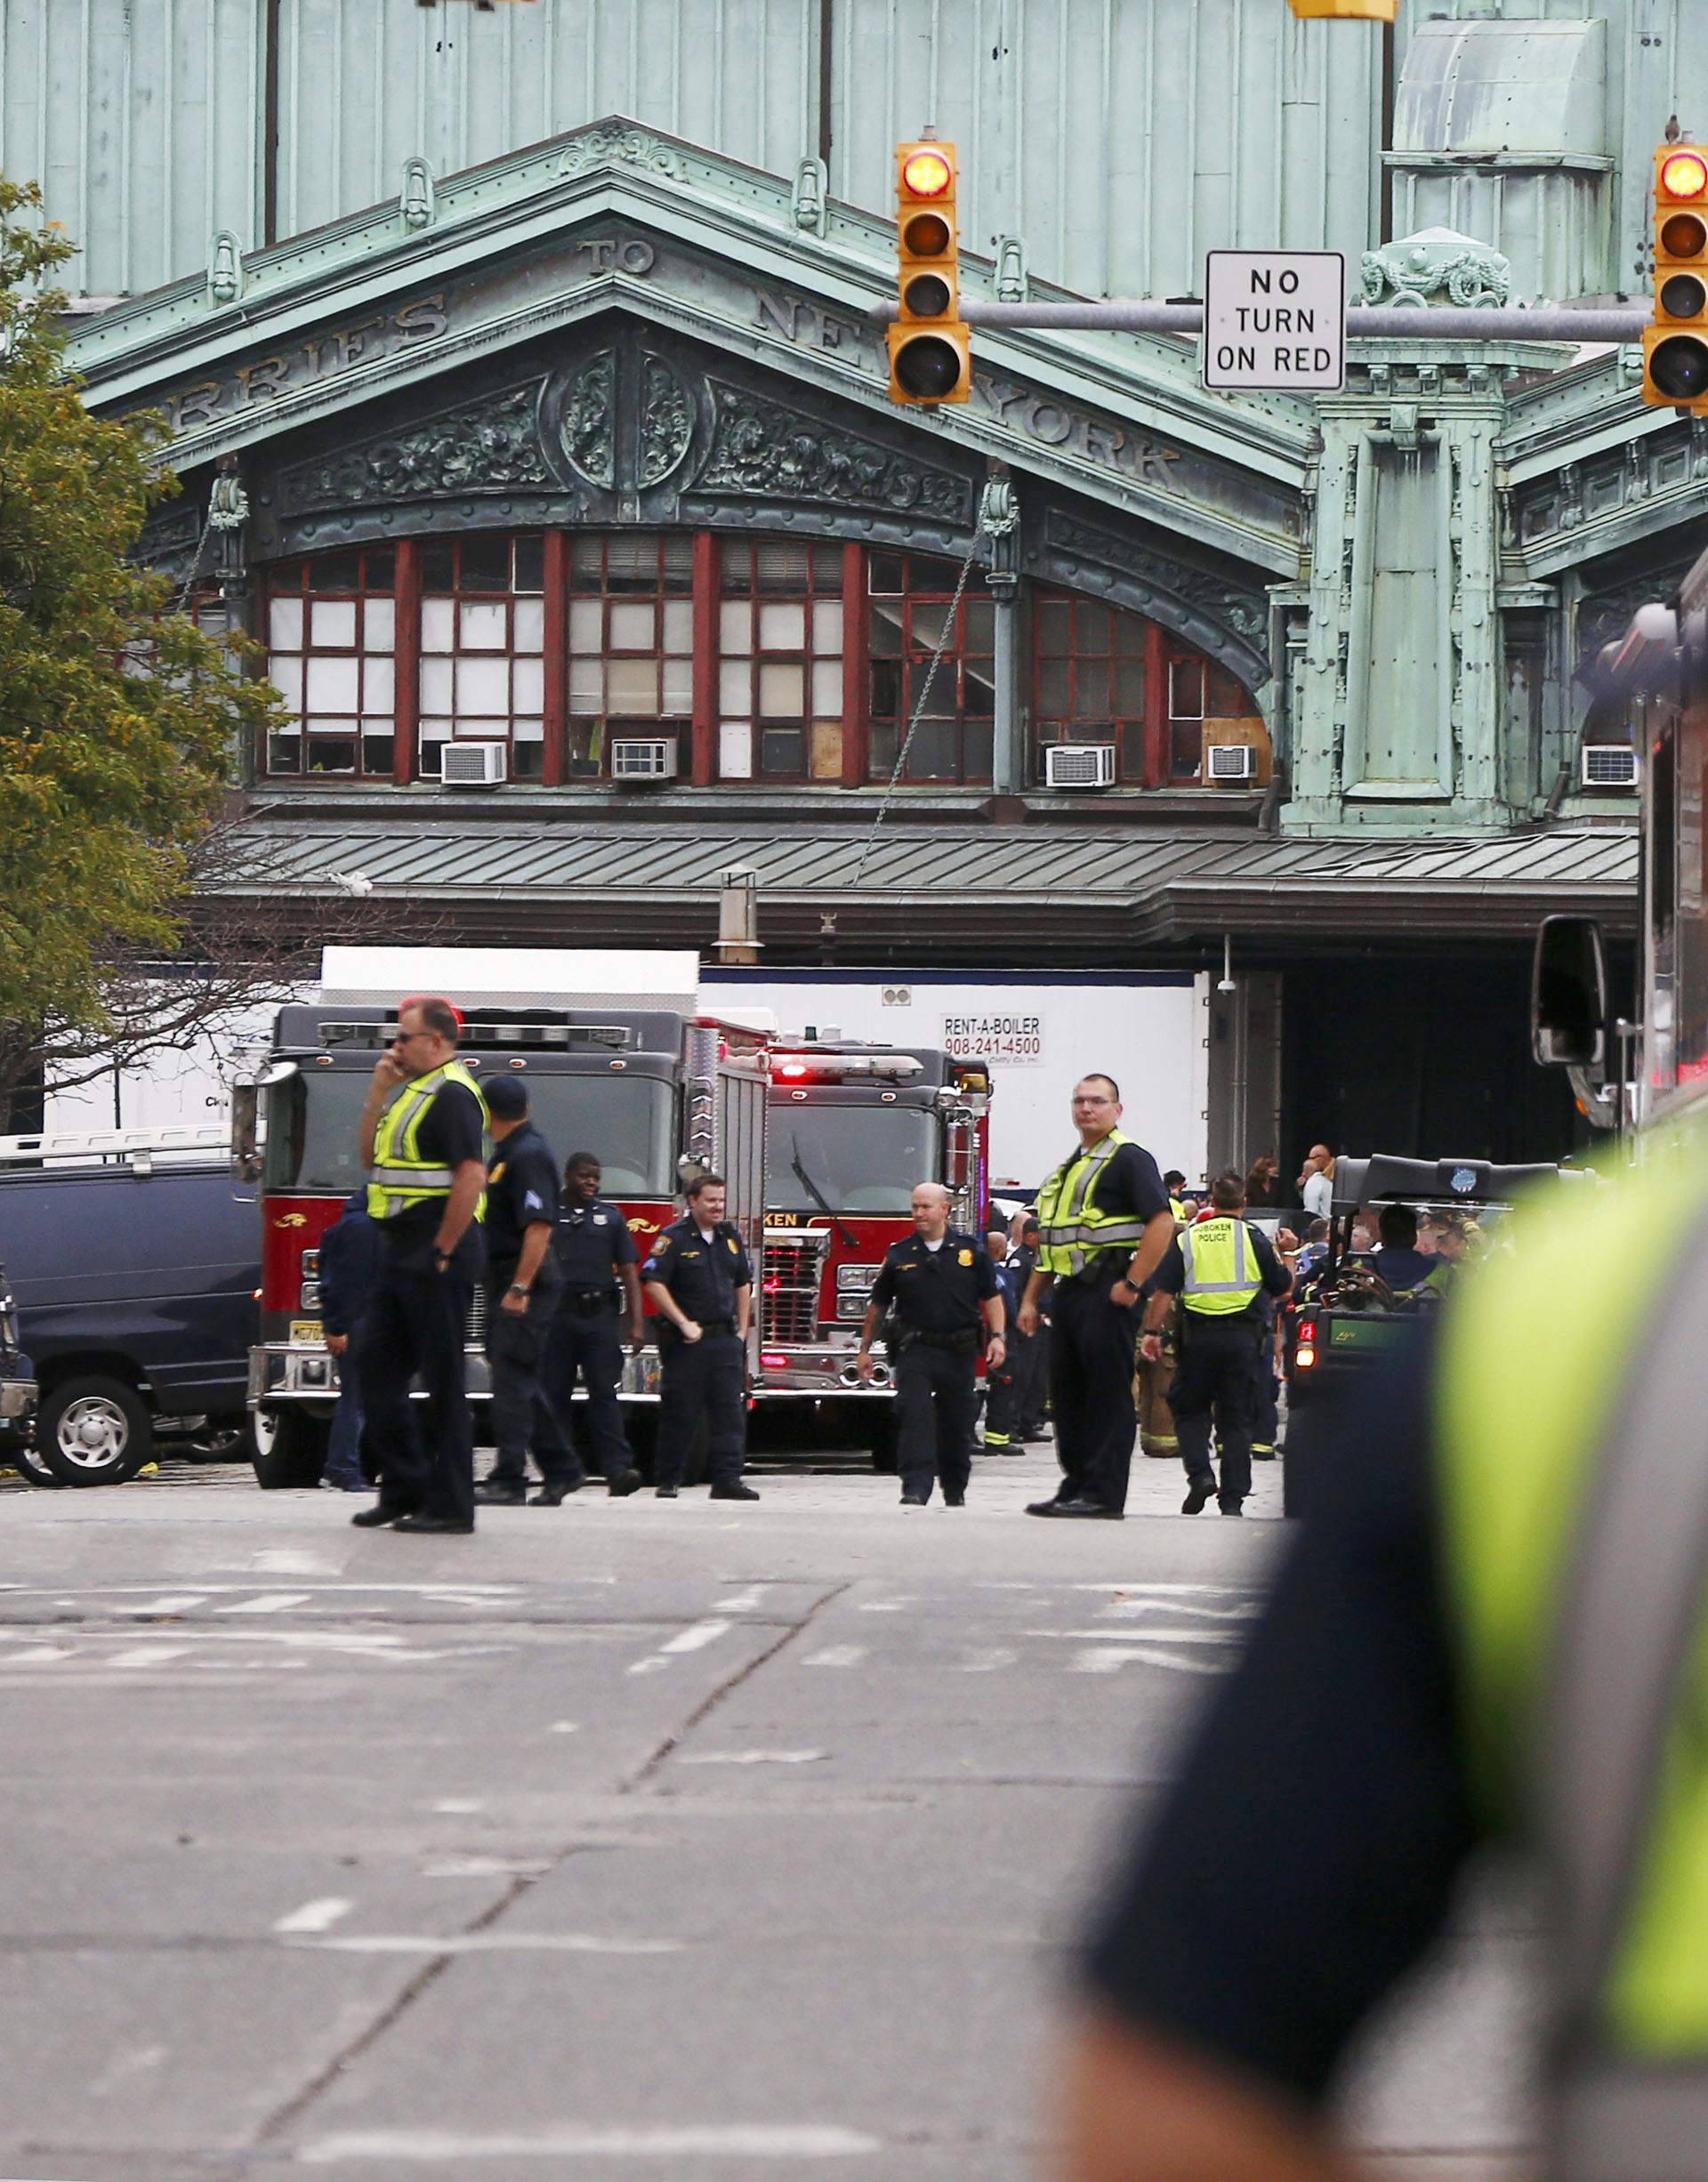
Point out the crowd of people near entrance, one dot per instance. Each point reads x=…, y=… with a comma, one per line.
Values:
x=1121, y=1293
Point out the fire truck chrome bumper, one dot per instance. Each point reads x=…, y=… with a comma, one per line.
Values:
x=281, y=1372
x=826, y=1372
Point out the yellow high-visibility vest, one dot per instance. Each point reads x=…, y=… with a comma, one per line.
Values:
x=1567, y=1433
x=1221, y=1270
x=1071, y=1230
x=400, y=1176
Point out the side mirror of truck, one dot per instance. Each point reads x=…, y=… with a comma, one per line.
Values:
x=246, y=1130
x=1568, y=995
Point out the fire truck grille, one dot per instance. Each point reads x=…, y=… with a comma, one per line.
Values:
x=791, y=1285
x=478, y=1315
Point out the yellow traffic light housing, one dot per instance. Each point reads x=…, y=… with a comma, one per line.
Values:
x=1675, y=348
x=930, y=351
x=1345, y=11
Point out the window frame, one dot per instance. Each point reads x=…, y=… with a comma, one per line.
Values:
x=360, y=596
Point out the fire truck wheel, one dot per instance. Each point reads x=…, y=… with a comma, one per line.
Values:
x=29, y=1464
x=290, y=1449
x=93, y=1431
x=881, y=1432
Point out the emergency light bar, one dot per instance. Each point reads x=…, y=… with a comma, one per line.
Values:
x=476, y=1033
x=833, y=1068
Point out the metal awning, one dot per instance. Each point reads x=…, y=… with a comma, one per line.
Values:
x=1041, y=891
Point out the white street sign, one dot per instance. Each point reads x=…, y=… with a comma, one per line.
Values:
x=1274, y=320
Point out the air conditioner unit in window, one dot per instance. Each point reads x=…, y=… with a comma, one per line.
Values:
x=1079, y=765
x=1609, y=765
x=644, y=757
x=474, y=765
x=1229, y=762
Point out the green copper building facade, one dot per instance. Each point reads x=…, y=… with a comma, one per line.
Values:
x=522, y=376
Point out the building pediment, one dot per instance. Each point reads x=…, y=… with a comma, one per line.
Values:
x=536, y=250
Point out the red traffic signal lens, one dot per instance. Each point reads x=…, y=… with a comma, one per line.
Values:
x=928, y=296
x=926, y=236
x=1684, y=236
x=928, y=368
x=1683, y=297
x=928, y=174
x=1685, y=173
x=1677, y=367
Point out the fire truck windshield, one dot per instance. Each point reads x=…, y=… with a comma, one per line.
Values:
x=862, y=1159
x=312, y=1122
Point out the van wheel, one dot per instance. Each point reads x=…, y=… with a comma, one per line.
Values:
x=29, y=1464
x=290, y=1449
x=93, y=1431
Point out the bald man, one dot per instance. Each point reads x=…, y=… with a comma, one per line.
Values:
x=943, y=1289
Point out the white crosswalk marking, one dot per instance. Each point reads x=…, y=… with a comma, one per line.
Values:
x=837, y=1655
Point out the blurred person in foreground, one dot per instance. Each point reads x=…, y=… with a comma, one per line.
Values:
x=1491, y=1630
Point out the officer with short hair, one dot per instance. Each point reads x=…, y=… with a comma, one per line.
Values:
x=1222, y=1268
x=422, y=1136
x=597, y=1260
x=941, y=1285
x=700, y=1284
x=521, y=1295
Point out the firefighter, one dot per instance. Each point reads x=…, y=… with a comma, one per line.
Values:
x=1104, y=1223
x=1489, y=1635
x=1002, y=1433
x=423, y=1140
x=521, y=1295
x=941, y=1287
x=700, y=1284
x=1222, y=1268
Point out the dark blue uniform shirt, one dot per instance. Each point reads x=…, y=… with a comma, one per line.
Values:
x=937, y=1291
x=590, y=1242
x=702, y=1274
x=1403, y=1267
x=521, y=1192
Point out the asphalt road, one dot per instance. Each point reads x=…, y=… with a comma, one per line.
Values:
x=629, y=1839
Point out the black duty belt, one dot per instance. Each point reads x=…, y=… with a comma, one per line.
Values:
x=717, y=1326
x=584, y=1302
x=965, y=1344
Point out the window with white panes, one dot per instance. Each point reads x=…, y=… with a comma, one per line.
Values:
x=780, y=661
x=1199, y=690
x=911, y=610
x=631, y=641
x=330, y=640
x=482, y=646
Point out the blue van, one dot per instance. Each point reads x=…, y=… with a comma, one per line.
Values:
x=135, y=1289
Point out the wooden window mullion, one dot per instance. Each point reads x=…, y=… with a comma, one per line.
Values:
x=555, y=700
x=707, y=580
x=857, y=678
x=1159, y=756
x=405, y=641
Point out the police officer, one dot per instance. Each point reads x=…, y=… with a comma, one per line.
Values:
x=1488, y=1633
x=1029, y=1354
x=700, y=1284
x=941, y=1285
x=422, y=1136
x=1222, y=1268
x=1104, y=1223
x=600, y=1291
x=521, y=1295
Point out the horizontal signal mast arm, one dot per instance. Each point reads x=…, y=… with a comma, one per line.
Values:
x=1390, y=323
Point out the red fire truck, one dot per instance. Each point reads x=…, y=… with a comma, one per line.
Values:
x=853, y=1128
x=656, y=1091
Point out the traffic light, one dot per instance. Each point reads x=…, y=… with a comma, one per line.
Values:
x=930, y=351
x=1345, y=11
x=1675, y=348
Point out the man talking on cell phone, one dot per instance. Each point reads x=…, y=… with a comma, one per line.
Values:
x=422, y=1139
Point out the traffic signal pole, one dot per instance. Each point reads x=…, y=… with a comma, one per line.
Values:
x=1391, y=322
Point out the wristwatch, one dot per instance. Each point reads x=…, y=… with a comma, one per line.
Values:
x=441, y=1257
x=517, y=1287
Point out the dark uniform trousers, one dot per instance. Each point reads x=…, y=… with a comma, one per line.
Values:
x=936, y=1402
x=1028, y=1364
x=1093, y=1342
x=524, y=1413
x=415, y=1324
x=1218, y=1377
x=586, y=1341
x=703, y=1377
x=1002, y=1407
